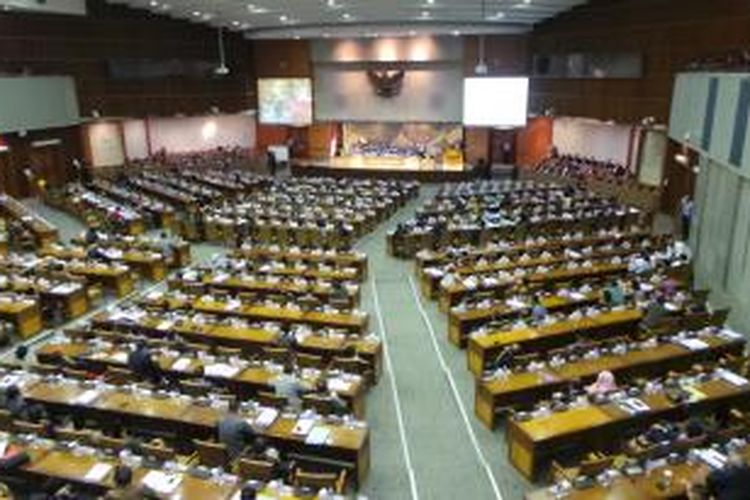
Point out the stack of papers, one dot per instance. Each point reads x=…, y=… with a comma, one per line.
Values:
x=338, y=385
x=712, y=458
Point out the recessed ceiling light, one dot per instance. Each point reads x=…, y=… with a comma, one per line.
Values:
x=283, y=18
x=430, y=2
x=235, y=23
x=297, y=37
x=196, y=13
x=326, y=35
x=346, y=16
x=425, y=13
x=456, y=33
x=153, y=3
x=165, y=6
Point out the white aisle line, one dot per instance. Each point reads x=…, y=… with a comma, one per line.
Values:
x=456, y=395
x=394, y=391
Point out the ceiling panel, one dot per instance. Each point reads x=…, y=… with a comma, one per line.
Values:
x=315, y=18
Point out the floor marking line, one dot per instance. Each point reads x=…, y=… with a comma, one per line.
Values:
x=395, y=392
x=454, y=389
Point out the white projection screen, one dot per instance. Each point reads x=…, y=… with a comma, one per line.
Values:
x=496, y=102
x=285, y=101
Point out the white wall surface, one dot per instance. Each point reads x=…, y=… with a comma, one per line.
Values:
x=593, y=138
x=183, y=135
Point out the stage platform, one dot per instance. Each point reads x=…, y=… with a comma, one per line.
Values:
x=385, y=167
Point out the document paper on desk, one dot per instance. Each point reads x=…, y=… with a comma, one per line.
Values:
x=181, y=364
x=318, y=436
x=633, y=406
x=161, y=483
x=732, y=378
x=98, y=472
x=693, y=344
x=303, y=427
x=266, y=417
x=712, y=458
x=221, y=370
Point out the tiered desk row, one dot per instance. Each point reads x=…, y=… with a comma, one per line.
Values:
x=543, y=311
x=221, y=344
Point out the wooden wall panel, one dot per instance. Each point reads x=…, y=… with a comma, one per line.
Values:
x=476, y=144
x=534, y=142
x=282, y=58
x=53, y=162
x=81, y=47
x=505, y=55
x=319, y=139
x=669, y=34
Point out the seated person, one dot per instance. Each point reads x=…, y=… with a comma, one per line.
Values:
x=538, y=311
x=289, y=386
x=730, y=482
x=655, y=313
x=142, y=363
x=13, y=402
x=235, y=432
x=616, y=294
x=659, y=432
x=504, y=359
x=605, y=383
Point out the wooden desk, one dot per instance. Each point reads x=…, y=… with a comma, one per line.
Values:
x=182, y=416
x=247, y=338
x=452, y=295
x=462, y=322
x=482, y=348
x=353, y=322
x=151, y=265
x=44, y=232
x=26, y=316
x=338, y=259
x=532, y=444
x=117, y=279
x=49, y=462
x=246, y=383
x=525, y=388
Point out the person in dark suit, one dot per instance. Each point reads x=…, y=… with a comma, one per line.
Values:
x=142, y=363
x=235, y=432
x=730, y=482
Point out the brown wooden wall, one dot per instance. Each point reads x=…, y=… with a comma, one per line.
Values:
x=669, y=33
x=81, y=46
x=51, y=162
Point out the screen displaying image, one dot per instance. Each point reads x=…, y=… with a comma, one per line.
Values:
x=285, y=101
x=496, y=102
